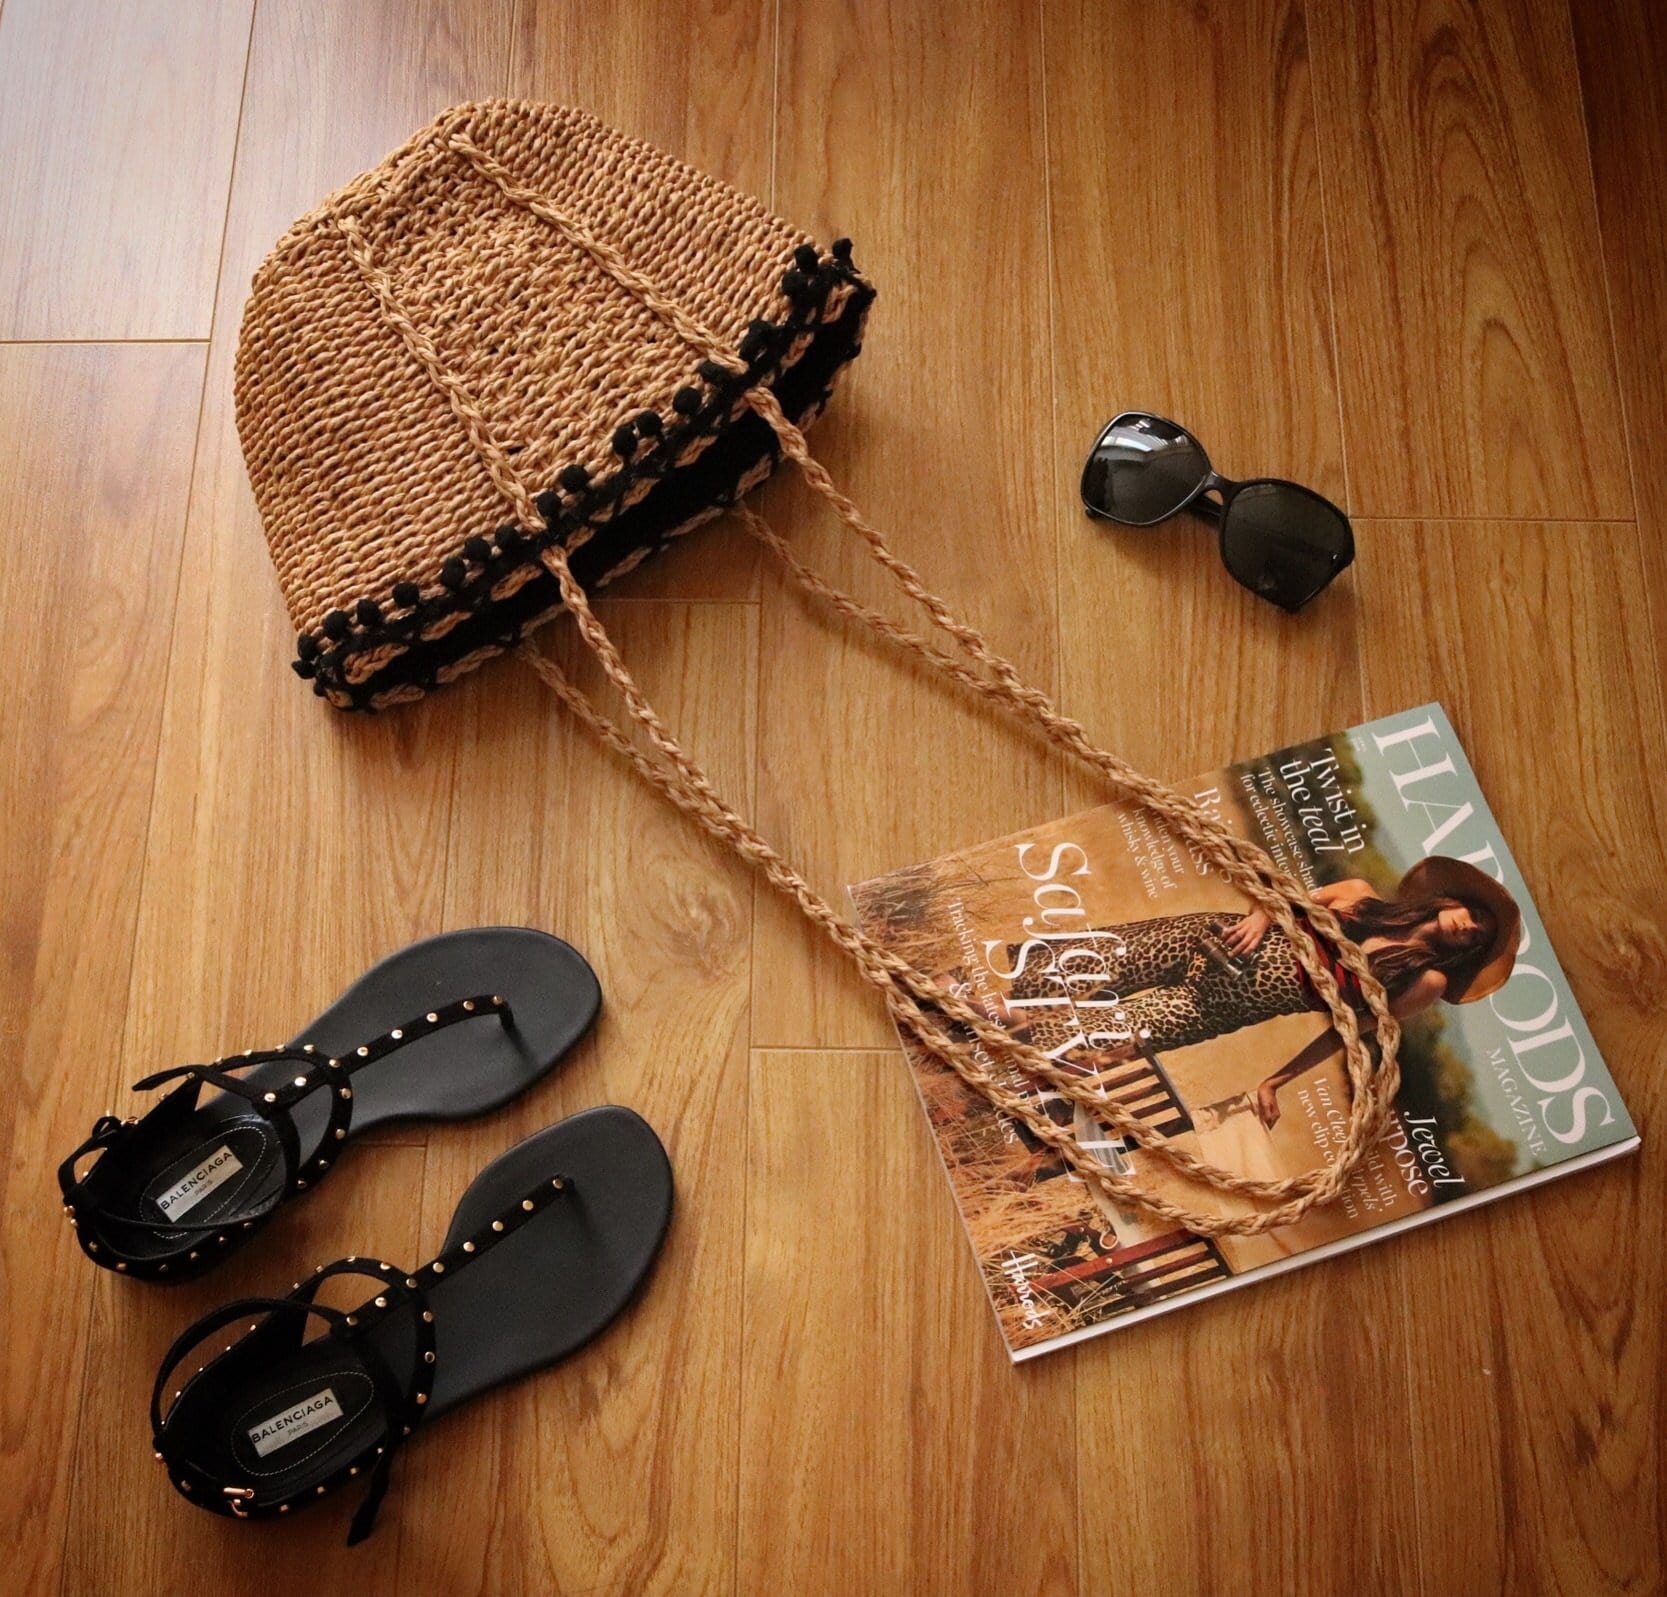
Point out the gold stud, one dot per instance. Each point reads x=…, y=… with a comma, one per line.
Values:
x=346, y=1092
x=352, y=1258
x=69, y=1209
x=527, y=1204
x=422, y=1397
x=433, y=1018
x=362, y=1051
x=410, y=1280
x=318, y=1491
x=248, y=1225
x=352, y=1469
x=162, y=1269
x=384, y=1267
x=428, y=1319
x=221, y=1241
x=353, y=1319
x=405, y=1429
x=381, y=1303
x=335, y=1064
x=468, y=1247
x=300, y=1081
x=159, y=1458
x=92, y=1247
x=184, y=1486
x=428, y=1358
x=497, y=1225
x=120, y=1265
x=560, y=1184
x=438, y=1268
x=309, y=1048
x=283, y=1508
x=469, y=1005
x=396, y=1034
x=74, y=1224
x=341, y=1133
x=498, y=999
x=300, y=1186
x=192, y=1254
x=271, y=1097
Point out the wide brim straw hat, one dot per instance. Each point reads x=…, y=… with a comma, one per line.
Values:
x=1441, y=877
x=524, y=352
x=429, y=324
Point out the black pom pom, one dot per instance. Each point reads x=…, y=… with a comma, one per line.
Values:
x=575, y=479
x=794, y=283
x=625, y=442
x=336, y=625
x=509, y=540
x=303, y=668
x=549, y=504
x=806, y=258
x=712, y=371
x=842, y=250
x=307, y=646
x=478, y=550
x=686, y=401
x=368, y=612
x=756, y=342
x=649, y=424
x=406, y=595
x=454, y=574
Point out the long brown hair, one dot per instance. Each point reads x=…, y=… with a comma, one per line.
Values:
x=1407, y=955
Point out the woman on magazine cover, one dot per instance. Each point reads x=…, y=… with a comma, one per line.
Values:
x=1449, y=934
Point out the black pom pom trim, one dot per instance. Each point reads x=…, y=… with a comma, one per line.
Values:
x=303, y=668
x=468, y=581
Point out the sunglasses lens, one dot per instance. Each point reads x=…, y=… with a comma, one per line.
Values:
x=1283, y=544
x=1142, y=469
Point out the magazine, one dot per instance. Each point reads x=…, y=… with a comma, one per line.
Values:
x=1102, y=941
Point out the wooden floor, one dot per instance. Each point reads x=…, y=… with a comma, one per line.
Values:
x=1413, y=252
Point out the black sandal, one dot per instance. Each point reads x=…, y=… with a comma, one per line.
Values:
x=173, y=1194
x=549, y=1244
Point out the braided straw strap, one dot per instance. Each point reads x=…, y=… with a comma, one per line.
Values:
x=945, y=1025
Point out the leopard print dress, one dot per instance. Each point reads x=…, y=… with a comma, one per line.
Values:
x=1167, y=983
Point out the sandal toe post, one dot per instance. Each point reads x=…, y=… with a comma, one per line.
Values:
x=548, y=1246
x=450, y=1027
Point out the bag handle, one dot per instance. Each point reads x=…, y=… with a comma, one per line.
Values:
x=919, y=1007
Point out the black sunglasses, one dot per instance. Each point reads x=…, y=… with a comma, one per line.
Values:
x=1282, y=541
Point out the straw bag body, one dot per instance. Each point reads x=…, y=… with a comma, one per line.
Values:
x=427, y=307
x=524, y=352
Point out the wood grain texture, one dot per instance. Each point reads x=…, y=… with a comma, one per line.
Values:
x=1538, y=1367
x=943, y=431
x=118, y=122
x=1622, y=53
x=1356, y=245
x=1478, y=375
x=1202, y=292
x=86, y=606
x=615, y=1473
x=886, y=1442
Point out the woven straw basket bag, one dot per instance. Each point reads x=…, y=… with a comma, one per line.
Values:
x=523, y=353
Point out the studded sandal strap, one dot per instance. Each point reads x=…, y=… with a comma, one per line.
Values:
x=316, y=1071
